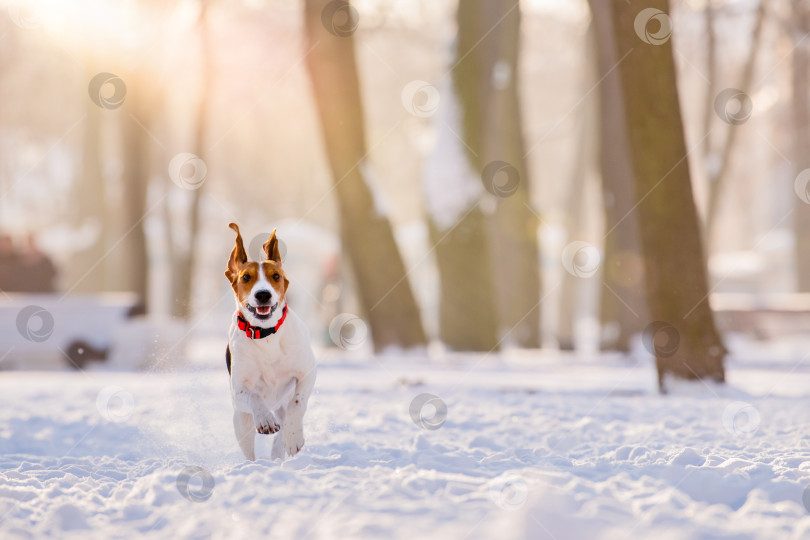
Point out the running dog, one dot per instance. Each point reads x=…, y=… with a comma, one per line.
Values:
x=269, y=357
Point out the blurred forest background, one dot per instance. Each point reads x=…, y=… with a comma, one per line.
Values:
x=485, y=173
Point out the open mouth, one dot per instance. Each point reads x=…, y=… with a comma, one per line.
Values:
x=262, y=312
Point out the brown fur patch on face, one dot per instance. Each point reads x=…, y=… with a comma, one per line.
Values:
x=246, y=277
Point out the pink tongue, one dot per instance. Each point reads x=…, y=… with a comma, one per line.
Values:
x=263, y=309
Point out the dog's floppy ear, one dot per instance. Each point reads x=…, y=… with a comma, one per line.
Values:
x=271, y=248
x=238, y=255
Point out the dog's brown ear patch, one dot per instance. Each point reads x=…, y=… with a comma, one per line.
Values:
x=238, y=256
x=271, y=248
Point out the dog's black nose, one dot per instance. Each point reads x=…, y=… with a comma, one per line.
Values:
x=262, y=296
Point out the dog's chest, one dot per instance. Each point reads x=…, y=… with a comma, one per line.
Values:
x=262, y=364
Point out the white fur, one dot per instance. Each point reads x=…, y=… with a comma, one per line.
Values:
x=271, y=379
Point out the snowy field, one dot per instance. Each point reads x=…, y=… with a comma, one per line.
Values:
x=534, y=445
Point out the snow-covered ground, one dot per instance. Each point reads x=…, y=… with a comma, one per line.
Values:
x=534, y=445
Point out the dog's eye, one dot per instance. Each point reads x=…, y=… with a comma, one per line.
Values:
x=276, y=276
x=246, y=278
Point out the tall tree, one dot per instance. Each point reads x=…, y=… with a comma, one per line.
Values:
x=182, y=279
x=622, y=300
x=85, y=273
x=572, y=288
x=709, y=12
x=718, y=176
x=133, y=274
x=383, y=288
x=138, y=97
x=478, y=135
x=500, y=132
x=675, y=268
x=801, y=134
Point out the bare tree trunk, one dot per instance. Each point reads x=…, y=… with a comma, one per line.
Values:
x=485, y=79
x=717, y=181
x=622, y=300
x=515, y=224
x=711, y=88
x=84, y=274
x=383, y=288
x=801, y=136
x=134, y=258
x=183, y=279
x=571, y=288
x=468, y=311
x=675, y=269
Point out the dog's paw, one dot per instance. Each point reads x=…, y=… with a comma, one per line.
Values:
x=267, y=425
x=293, y=442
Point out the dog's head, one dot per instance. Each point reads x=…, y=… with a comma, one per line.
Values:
x=259, y=287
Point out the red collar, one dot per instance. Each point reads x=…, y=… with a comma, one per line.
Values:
x=258, y=332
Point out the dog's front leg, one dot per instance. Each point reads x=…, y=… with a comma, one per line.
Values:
x=293, y=432
x=245, y=433
x=263, y=417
